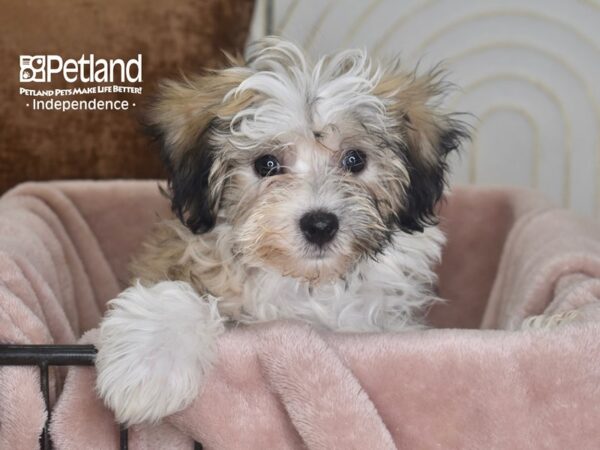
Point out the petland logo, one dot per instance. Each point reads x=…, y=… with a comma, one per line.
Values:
x=87, y=69
x=109, y=84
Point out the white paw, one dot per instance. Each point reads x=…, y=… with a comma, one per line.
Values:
x=156, y=344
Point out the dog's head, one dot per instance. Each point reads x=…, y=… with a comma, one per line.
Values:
x=313, y=166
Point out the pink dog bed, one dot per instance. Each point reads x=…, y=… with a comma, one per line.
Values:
x=513, y=360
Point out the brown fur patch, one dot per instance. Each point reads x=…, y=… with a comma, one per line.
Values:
x=161, y=256
x=184, y=109
x=172, y=252
x=413, y=104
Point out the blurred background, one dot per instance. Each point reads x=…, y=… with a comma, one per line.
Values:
x=529, y=70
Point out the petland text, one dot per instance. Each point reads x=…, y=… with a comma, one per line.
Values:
x=87, y=69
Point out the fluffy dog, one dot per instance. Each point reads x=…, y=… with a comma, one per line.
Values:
x=302, y=191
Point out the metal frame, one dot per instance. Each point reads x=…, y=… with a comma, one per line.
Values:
x=55, y=355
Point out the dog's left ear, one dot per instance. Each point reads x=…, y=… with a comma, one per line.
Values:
x=184, y=117
x=424, y=137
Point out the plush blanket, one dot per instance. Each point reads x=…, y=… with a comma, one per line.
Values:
x=512, y=360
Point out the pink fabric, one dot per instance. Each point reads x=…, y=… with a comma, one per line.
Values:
x=64, y=248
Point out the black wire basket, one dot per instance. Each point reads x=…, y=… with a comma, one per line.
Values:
x=55, y=355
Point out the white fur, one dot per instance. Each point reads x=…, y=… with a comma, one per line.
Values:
x=382, y=295
x=156, y=344
x=302, y=97
x=549, y=320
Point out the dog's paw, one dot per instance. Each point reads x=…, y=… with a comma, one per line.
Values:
x=549, y=321
x=156, y=344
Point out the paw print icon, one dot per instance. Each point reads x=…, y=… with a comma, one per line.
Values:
x=32, y=68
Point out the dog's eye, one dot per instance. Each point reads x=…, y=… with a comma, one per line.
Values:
x=354, y=161
x=267, y=166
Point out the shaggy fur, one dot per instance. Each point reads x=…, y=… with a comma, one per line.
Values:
x=240, y=237
x=141, y=349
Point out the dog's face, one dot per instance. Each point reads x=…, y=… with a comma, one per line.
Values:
x=314, y=167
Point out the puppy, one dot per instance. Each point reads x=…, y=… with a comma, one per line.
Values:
x=302, y=191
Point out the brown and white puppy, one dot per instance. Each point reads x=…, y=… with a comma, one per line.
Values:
x=303, y=191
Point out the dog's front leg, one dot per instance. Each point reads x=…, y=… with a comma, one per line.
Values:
x=156, y=345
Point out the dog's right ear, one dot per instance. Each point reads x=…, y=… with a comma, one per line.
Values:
x=184, y=117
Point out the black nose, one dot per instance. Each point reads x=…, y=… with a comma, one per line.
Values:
x=319, y=227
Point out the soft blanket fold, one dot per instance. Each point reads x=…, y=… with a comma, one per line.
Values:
x=525, y=272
